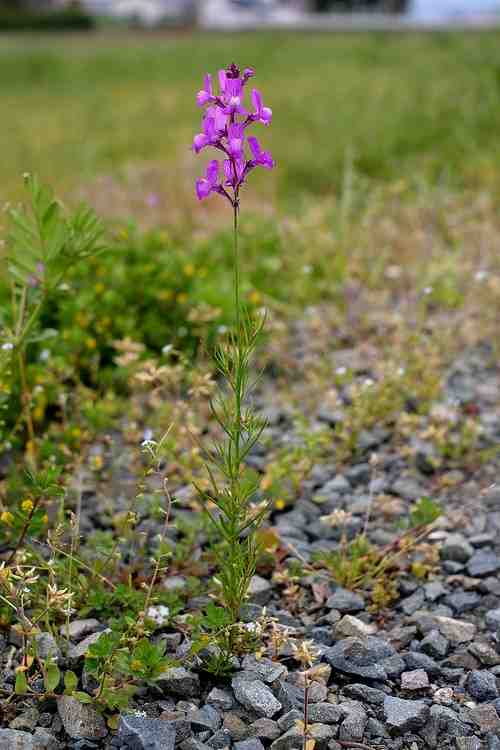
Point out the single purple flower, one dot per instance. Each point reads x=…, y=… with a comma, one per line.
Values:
x=261, y=113
x=206, y=94
x=260, y=158
x=210, y=183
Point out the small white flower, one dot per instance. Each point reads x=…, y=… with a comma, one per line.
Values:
x=44, y=355
x=341, y=370
x=480, y=275
x=307, y=269
x=222, y=330
x=8, y=346
x=427, y=290
x=368, y=383
x=167, y=348
x=401, y=371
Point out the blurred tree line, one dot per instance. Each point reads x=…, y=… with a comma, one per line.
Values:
x=36, y=5
x=44, y=15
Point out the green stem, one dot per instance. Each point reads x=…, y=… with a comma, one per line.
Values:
x=238, y=344
x=236, y=270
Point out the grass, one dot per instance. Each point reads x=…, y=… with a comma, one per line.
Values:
x=398, y=106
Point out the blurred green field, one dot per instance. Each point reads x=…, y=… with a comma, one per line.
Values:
x=397, y=106
x=379, y=228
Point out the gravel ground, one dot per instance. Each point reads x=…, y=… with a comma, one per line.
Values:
x=424, y=673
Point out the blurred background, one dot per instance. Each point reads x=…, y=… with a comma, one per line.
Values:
x=243, y=13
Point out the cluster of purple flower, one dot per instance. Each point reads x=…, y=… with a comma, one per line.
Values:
x=224, y=124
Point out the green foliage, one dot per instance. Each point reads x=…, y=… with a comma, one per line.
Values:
x=43, y=244
x=29, y=515
x=358, y=564
x=292, y=463
x=424, y=512
x=21, y=684
x=117, y=664
x=217, y=638
x=70, y=682
x=52, y=677
x=237, y=517
x=354, y=564
x=121, y=605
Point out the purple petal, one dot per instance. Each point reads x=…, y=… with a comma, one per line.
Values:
x=254, y=146
x=199, y=142
x=222, y=81
x=203, y=189
x=266, y=115
x=256, y=101
x=213, y=172
x=266, y=160
x=228, y=171
x=235, y=147
x=234, y=87
x=202, y=98
x=240, y=168
x=208, y=84
x=209, y=128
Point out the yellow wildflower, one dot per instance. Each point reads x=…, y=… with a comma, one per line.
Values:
x=6, y=517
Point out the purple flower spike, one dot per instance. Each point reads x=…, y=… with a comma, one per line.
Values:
x=260, y=158
x=210, y=184
x=224, y=128
x=205, y=95
x=261, y=113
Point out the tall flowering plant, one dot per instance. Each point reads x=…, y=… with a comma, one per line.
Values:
x=229, y=503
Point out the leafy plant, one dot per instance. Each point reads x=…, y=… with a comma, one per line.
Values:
x=230, y=504
x=217, y=639
x=43, y=244
x=424, y=512
x=117, y=664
